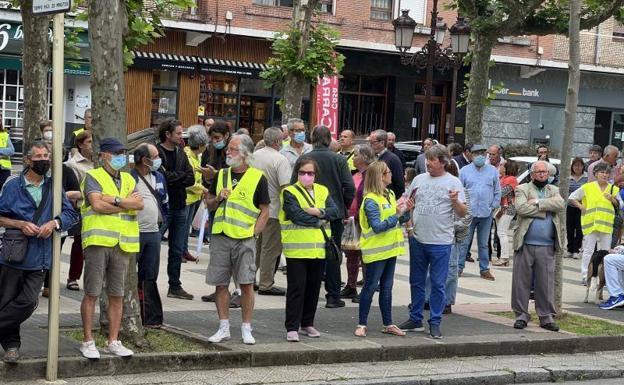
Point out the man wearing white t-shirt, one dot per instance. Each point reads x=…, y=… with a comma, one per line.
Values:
x=439, y=197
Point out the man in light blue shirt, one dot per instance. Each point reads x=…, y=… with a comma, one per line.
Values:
x=482, y=181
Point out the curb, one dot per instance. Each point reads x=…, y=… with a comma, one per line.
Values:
x=31, y=369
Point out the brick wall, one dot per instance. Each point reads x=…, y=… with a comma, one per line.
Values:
x=610, y=51
x=351, y=17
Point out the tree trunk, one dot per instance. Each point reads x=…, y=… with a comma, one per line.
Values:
x=107, y=23
x=35, y=64
x=478, y=86
x=295, y=86
x=574, y=77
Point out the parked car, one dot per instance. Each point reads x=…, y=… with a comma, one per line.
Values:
x=523, y=166
x=411, y=150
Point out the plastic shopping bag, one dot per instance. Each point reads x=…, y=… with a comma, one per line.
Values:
x=351, y=236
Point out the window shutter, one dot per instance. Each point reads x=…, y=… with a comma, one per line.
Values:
x=417, y=9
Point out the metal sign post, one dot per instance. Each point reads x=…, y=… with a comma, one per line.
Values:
x=57, y=153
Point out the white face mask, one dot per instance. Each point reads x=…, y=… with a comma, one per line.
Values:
x=47, y=135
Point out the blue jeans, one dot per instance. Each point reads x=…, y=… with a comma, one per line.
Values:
x=379, y=273
x=148, y=258
x=192, y=210
x=483, y=227
x=435, y=259
x=450, y=288
x=176, y=222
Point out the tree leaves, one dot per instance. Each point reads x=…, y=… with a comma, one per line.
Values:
x=320, y=58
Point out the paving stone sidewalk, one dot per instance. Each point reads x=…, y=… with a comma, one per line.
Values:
x=473, y=370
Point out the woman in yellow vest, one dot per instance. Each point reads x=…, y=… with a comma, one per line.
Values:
x=381, y=242
x=307, y=209
x=196, y=144
x=596, y=200
x=6, y=152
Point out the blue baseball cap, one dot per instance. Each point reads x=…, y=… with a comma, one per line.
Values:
x=111, y=145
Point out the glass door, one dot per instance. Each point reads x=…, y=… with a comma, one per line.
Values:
x=617, y=136
x=437, y=120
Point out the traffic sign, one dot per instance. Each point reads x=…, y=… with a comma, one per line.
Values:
x=42, y=7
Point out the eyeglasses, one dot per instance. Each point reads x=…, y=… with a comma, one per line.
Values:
x=540, y=172
x=387, y=172
x=308, y=173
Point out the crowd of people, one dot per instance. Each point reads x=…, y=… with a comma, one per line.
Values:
x=291, y=195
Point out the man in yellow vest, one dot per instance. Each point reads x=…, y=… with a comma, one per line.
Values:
x=347, y=143
x=110, y=233
x=241, y=200
x=6, y=151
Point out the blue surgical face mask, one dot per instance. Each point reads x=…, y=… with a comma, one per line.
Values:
x=300, y=137
x=118, y=162
x=551, y=179
x=479, y=160
x=219, y=145
x=156, y=163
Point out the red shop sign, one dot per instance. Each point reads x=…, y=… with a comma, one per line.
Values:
x=327, y=103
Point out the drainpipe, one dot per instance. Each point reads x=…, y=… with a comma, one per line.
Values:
x=598, y=48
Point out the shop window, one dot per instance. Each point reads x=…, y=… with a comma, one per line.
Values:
x=218, y=97
x=254, y=86
x=363, y=103
x=164, y=95
x=381, y=9
x=12, y=98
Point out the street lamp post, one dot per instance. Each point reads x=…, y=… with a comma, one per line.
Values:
x=432, y=56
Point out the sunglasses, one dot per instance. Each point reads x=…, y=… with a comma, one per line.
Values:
x=308, y=173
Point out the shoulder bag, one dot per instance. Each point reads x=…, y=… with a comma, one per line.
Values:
x=14, y=241
x=332, y=251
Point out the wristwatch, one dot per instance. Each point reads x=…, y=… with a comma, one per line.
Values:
x=117, y=201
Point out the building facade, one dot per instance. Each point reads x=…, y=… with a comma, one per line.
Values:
x=208, y=65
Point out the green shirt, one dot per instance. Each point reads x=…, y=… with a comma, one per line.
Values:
x=34, y=190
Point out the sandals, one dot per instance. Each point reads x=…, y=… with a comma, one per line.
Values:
x=502, y=262
x=72, y=285
x=394, y=330
x=360, y=331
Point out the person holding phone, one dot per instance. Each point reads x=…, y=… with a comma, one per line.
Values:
x=439, y=198
x=381, y=242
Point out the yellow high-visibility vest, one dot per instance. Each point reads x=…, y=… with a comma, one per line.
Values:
x=303, y=241
x=387, y=244
x=237, y=215
x=599, y=213
x=108, y=230
x=4, y=143
x=191, y=195
x=350, y=157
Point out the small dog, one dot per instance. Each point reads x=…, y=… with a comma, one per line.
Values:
x=596, y=271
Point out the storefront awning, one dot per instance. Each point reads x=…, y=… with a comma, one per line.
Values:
x=161, y=61
x=71, y=67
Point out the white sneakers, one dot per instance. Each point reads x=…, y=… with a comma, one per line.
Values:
x=223, y=334
x=247, y=337
x=90, y=351
x=118, y=349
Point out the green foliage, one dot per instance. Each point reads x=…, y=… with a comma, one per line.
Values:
x=319, y=59
x=493, y=90
x=145, y=23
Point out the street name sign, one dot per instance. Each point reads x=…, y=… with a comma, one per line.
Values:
x=42, y=7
